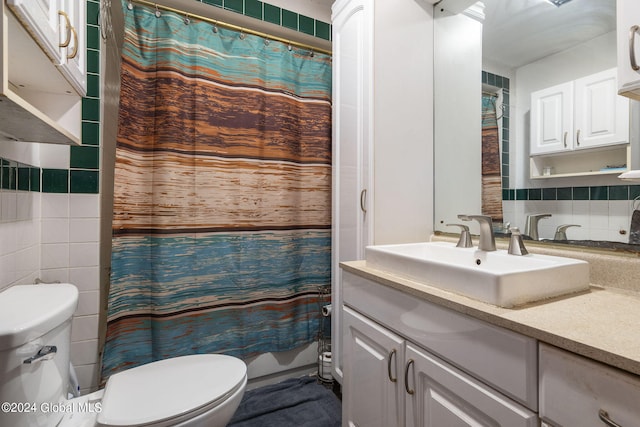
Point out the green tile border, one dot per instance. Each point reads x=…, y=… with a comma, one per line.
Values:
x=275, y=15
x=593, y=193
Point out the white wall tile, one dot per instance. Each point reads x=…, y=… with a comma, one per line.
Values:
x=55, y=255
x=84, y=352
x=85, y=278
x=84, y=328
x=84, y=205
x=88, y=303
x=54, y=206
x=84, y=254
x=84, y=230
x=55, y=230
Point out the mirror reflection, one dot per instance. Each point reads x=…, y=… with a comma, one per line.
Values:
x=500, y=65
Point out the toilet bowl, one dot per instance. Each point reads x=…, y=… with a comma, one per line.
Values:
x=35, y=323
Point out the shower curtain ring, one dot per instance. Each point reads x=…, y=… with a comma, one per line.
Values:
x=186, y=20
x=242, y=36
x=158, y=13
x=290, y=47
x=130, y=5
x=215, y=28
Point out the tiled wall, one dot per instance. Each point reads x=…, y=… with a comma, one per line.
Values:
x=501, y=82
x=275, y=15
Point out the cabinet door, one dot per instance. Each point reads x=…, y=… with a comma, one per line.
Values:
x=352, y=24
x=43, y=21
x=575, y=391
x=628, y=22
x=552, y=119
x=73, y=65
x=601, y=115
x=440, y=395
x=373, y=356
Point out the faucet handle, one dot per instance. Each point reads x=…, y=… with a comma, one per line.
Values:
x=465, y=236
x=516, y=244
x=561, y=231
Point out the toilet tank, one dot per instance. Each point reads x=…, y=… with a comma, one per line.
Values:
x=35, y=337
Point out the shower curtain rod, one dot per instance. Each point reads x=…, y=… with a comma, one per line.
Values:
x=233, y=27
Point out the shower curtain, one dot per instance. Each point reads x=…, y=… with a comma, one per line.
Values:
x=491, y=176
x=221, y=229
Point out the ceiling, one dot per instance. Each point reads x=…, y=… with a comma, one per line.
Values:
x=518, y=32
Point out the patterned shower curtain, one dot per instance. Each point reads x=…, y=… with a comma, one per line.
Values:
x=491, y=176
x=221, y=229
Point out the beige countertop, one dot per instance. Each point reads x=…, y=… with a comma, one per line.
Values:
x=602, y=324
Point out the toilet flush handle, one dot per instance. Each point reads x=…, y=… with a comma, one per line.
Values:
x=47, y=352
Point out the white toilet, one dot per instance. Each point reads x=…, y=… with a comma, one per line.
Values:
x=35, y=335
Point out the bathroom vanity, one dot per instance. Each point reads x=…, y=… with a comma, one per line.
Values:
x=417, y=355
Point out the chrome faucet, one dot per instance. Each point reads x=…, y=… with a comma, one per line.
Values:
x=487, y=239
x=516, y=245
x=561, y=231
x=531, y=227
x=465, y=236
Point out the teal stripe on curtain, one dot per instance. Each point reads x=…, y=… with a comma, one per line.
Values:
x=222, y=205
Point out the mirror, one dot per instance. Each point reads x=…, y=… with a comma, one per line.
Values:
x=507, y=50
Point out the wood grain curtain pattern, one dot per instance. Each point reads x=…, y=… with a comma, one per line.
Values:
x=222, y=210
x=491, y=176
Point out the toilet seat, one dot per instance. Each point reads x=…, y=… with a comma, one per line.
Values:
x=170, y=391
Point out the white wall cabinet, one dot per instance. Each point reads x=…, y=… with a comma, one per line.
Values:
x=575, y=391
x=382, y=134
x=38, y=102
x=628, y=30
x=397, y=373
x=352, y=225
x=581, y=114
x=579, y=128
x=58, y=26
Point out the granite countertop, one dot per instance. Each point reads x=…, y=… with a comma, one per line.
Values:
x=602, y=324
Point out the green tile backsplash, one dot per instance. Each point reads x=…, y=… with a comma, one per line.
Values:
x=598, y=192
x=275, y=15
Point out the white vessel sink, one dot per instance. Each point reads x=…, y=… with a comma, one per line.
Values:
x=492, y=277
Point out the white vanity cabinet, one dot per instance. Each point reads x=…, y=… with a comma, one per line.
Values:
x=372, y=392
x=628, y=42
x=382, y=137
x=408, y=362
x=58, y=26
x=575, y=391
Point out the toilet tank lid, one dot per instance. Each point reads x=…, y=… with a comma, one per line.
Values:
x=30, y=311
